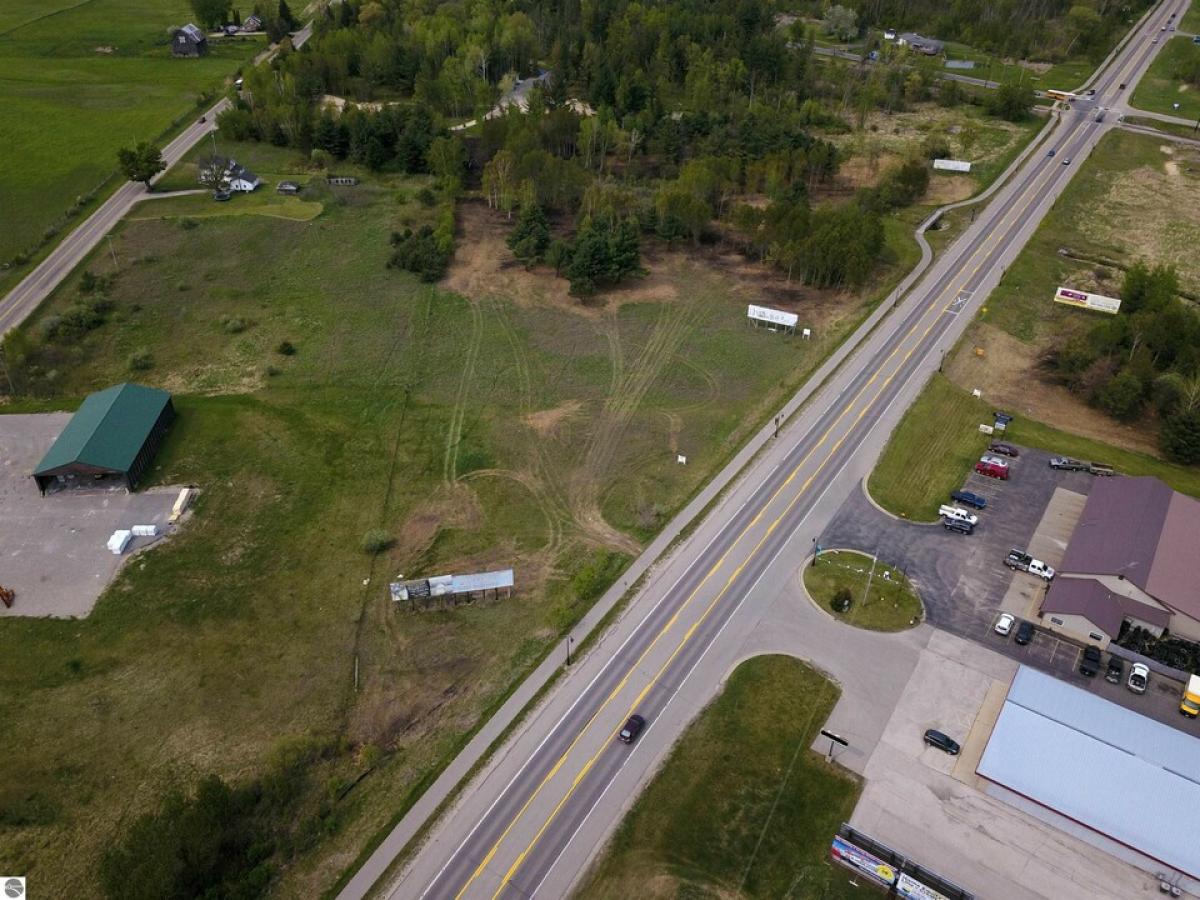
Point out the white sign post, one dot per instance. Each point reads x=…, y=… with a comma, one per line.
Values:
x=770, y=316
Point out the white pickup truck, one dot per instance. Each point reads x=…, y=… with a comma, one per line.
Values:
x=1019, y=559
x=959, y=514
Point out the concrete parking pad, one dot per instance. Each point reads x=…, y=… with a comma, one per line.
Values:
x=925, y=804
x=53, y=551
x=1053, y=533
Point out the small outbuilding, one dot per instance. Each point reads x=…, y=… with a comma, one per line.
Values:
x=189, y=41
x=251, y=24
x=112, y=438
x=288, y=187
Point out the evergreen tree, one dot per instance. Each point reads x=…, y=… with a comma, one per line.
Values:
x=1179, y=438
x=530, y=239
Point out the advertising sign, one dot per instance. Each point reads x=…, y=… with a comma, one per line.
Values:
x=951, y=165
x=861, y=861
x=913, y=890
x=1084, y=300
x=774, y=316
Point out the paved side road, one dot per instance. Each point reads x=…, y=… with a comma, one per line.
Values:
x=38, y=284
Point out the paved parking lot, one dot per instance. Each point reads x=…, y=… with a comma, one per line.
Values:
x=933, y=808
x=53, y=551
x=963, y=581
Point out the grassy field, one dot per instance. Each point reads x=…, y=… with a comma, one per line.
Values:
x=881, y=597
x=79, y=81
x=933, y=449
x=742, y=808
x=1191, y=20
x=1160, y=88
x=500, y=423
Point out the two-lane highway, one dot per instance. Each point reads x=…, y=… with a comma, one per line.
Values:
x=509, y=836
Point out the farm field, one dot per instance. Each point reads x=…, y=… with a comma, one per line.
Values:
x=932, y=450
x=485, y=422
x=741, y=807
x=1130, y=179
x=79, y=81
x=1161, y=88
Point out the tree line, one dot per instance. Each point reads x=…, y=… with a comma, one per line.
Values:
x=1146, y=356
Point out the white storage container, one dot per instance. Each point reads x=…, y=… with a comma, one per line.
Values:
x=119, y=541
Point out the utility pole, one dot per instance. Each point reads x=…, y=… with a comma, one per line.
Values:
x=113, y=252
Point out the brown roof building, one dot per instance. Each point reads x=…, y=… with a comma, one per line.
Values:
x=1134, y=555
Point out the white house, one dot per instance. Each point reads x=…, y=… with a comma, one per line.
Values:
x=241, y=178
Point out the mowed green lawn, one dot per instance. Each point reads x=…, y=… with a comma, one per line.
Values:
x=1161, y=88
x=78, y=82
x=881, y=598
x=935, y=446
x=742, y=807
x=478, y=432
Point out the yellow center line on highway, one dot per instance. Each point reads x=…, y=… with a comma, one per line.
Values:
x=985, y=248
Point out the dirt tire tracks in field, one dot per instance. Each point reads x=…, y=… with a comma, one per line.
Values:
x=541, y=482
x=631, y=384
x=537, y=490
x=458, y=414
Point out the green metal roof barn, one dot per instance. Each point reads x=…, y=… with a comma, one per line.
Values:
x=114, y=435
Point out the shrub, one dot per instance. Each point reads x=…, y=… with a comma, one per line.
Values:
x=376, y=541
x=425, y=197
x=423, y=252
x=597, y=573
x=233, y=325
x=286, y=348
x=842, y=600
x=141, y=360
x=188, y=224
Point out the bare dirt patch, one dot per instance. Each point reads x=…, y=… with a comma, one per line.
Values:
x=1008, y=374
x=452, y=506
x=948, y=189
x=546, y=421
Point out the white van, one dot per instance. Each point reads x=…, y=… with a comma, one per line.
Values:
x=958, y=514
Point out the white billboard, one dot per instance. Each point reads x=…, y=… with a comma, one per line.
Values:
x=774, y=316
x=951, y=165
x=1084, y=300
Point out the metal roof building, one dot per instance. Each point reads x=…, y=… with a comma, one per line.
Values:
x=1127, y=777
x=114, y=434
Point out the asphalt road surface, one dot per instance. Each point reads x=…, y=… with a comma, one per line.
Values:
x=35, y=287
x=512, y=833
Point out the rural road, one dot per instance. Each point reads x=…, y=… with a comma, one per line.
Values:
x=945, y=76
x=531, y=821
x=35, y=287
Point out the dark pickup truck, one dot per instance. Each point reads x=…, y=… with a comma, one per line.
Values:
x=1068, y=464
x=1089, y=665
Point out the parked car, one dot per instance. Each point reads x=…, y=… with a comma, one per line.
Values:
x=969, y=498
x=633, y=727
x=1003, y=449
x=935, y=738
x=1025, y=632
x=957, y=513
x=1089, y=665
x=994, y=460
x=222, y=196
x=1005, y=623
x=1116, y=670
x=958, y=525
x=1067, y=463
x=992, y=467
x=1139, y=677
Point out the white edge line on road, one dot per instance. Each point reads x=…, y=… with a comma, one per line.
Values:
x=550, y=733
x=687, y=675
x=716, y=638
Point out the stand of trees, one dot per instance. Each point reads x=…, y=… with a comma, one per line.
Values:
x=1147, y=354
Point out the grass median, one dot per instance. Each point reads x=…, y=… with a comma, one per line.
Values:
x=931, y=452
x=1162, y=87
x=880, y=596
x=742, y=807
